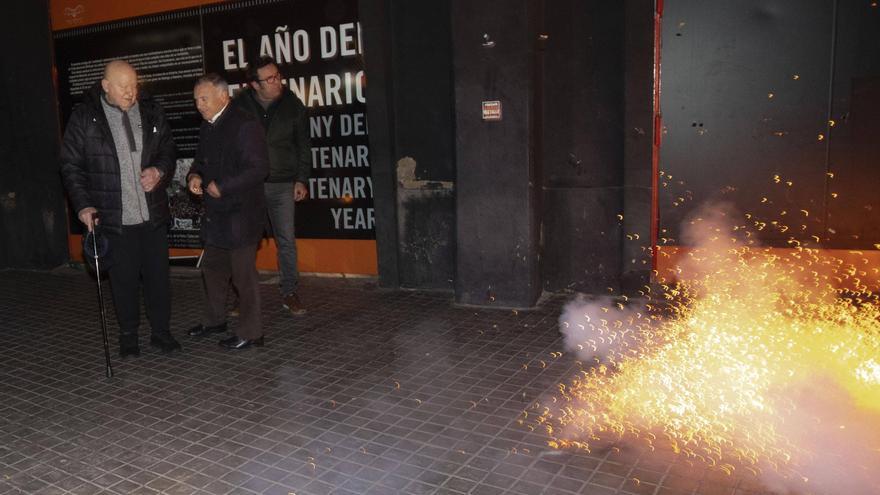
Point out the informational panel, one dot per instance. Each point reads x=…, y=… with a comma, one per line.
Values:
x=166, y=51
x=317, y=46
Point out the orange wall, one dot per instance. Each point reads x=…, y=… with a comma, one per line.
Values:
x=66, y=14
x=356, y=257
x=867, y=262
x=314, y=255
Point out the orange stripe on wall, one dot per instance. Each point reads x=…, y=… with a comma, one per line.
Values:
x=353, y=257
x=671, y=259
x=348, y=256
x=67, y=14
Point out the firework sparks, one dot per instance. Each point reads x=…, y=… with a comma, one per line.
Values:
x=756, y=361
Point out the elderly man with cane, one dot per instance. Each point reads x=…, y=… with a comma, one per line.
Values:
x=117, y=157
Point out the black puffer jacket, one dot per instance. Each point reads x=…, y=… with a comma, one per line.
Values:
x=90, y=167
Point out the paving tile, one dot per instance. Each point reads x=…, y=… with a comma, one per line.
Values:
x=370, y=392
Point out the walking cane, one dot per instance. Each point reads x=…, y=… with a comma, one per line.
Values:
x=95, y=252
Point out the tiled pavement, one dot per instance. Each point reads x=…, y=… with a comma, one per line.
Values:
x=371, y=392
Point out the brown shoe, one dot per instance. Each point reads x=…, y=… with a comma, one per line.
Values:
x=234, y=312
x=292, y=304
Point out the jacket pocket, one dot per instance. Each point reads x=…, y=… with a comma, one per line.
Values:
x=223, y=204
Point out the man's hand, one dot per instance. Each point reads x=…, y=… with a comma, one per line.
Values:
x=213, y=190
x=87, y=217
x=195, y=185
x=299, y=191
x=150, y=177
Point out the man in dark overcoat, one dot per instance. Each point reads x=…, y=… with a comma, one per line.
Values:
x=228, y=171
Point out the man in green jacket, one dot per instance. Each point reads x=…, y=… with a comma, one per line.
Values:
x=285, y=119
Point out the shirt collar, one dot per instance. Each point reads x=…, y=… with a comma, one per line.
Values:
x=217, y=115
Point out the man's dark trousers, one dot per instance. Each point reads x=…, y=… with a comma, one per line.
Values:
x=140, y=252
x=218, y=267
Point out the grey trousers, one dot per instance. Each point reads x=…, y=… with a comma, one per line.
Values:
x=282, y=208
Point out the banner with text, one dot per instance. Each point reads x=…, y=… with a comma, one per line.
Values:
x=317, y=46
x=318, y=49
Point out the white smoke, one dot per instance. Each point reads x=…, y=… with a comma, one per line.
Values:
x=835, y=442
x=601, y=328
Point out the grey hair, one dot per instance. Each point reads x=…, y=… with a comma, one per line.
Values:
x=213, y=79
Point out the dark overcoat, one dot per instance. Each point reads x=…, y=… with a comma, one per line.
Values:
x=232, y=152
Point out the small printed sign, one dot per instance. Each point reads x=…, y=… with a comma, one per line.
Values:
x=491, y=110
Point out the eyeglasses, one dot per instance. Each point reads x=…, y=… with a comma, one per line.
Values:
x=274, y=78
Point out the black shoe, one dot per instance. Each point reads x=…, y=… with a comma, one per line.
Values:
x=133, y=351
x=201, y=330
x=236, y=342
x=128, y=345
x=165, y=342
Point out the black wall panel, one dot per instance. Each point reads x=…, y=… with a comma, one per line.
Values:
x=494, y=56
x=375, y=18
x=638, y=138
x=584, y=91
x=583, y=144
x=408, y=59
x=424, y=117
x=582, y=239
x=745, y=89
x=33, y=226
x=423, y=77
x=853, y=193
x=427, y=247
